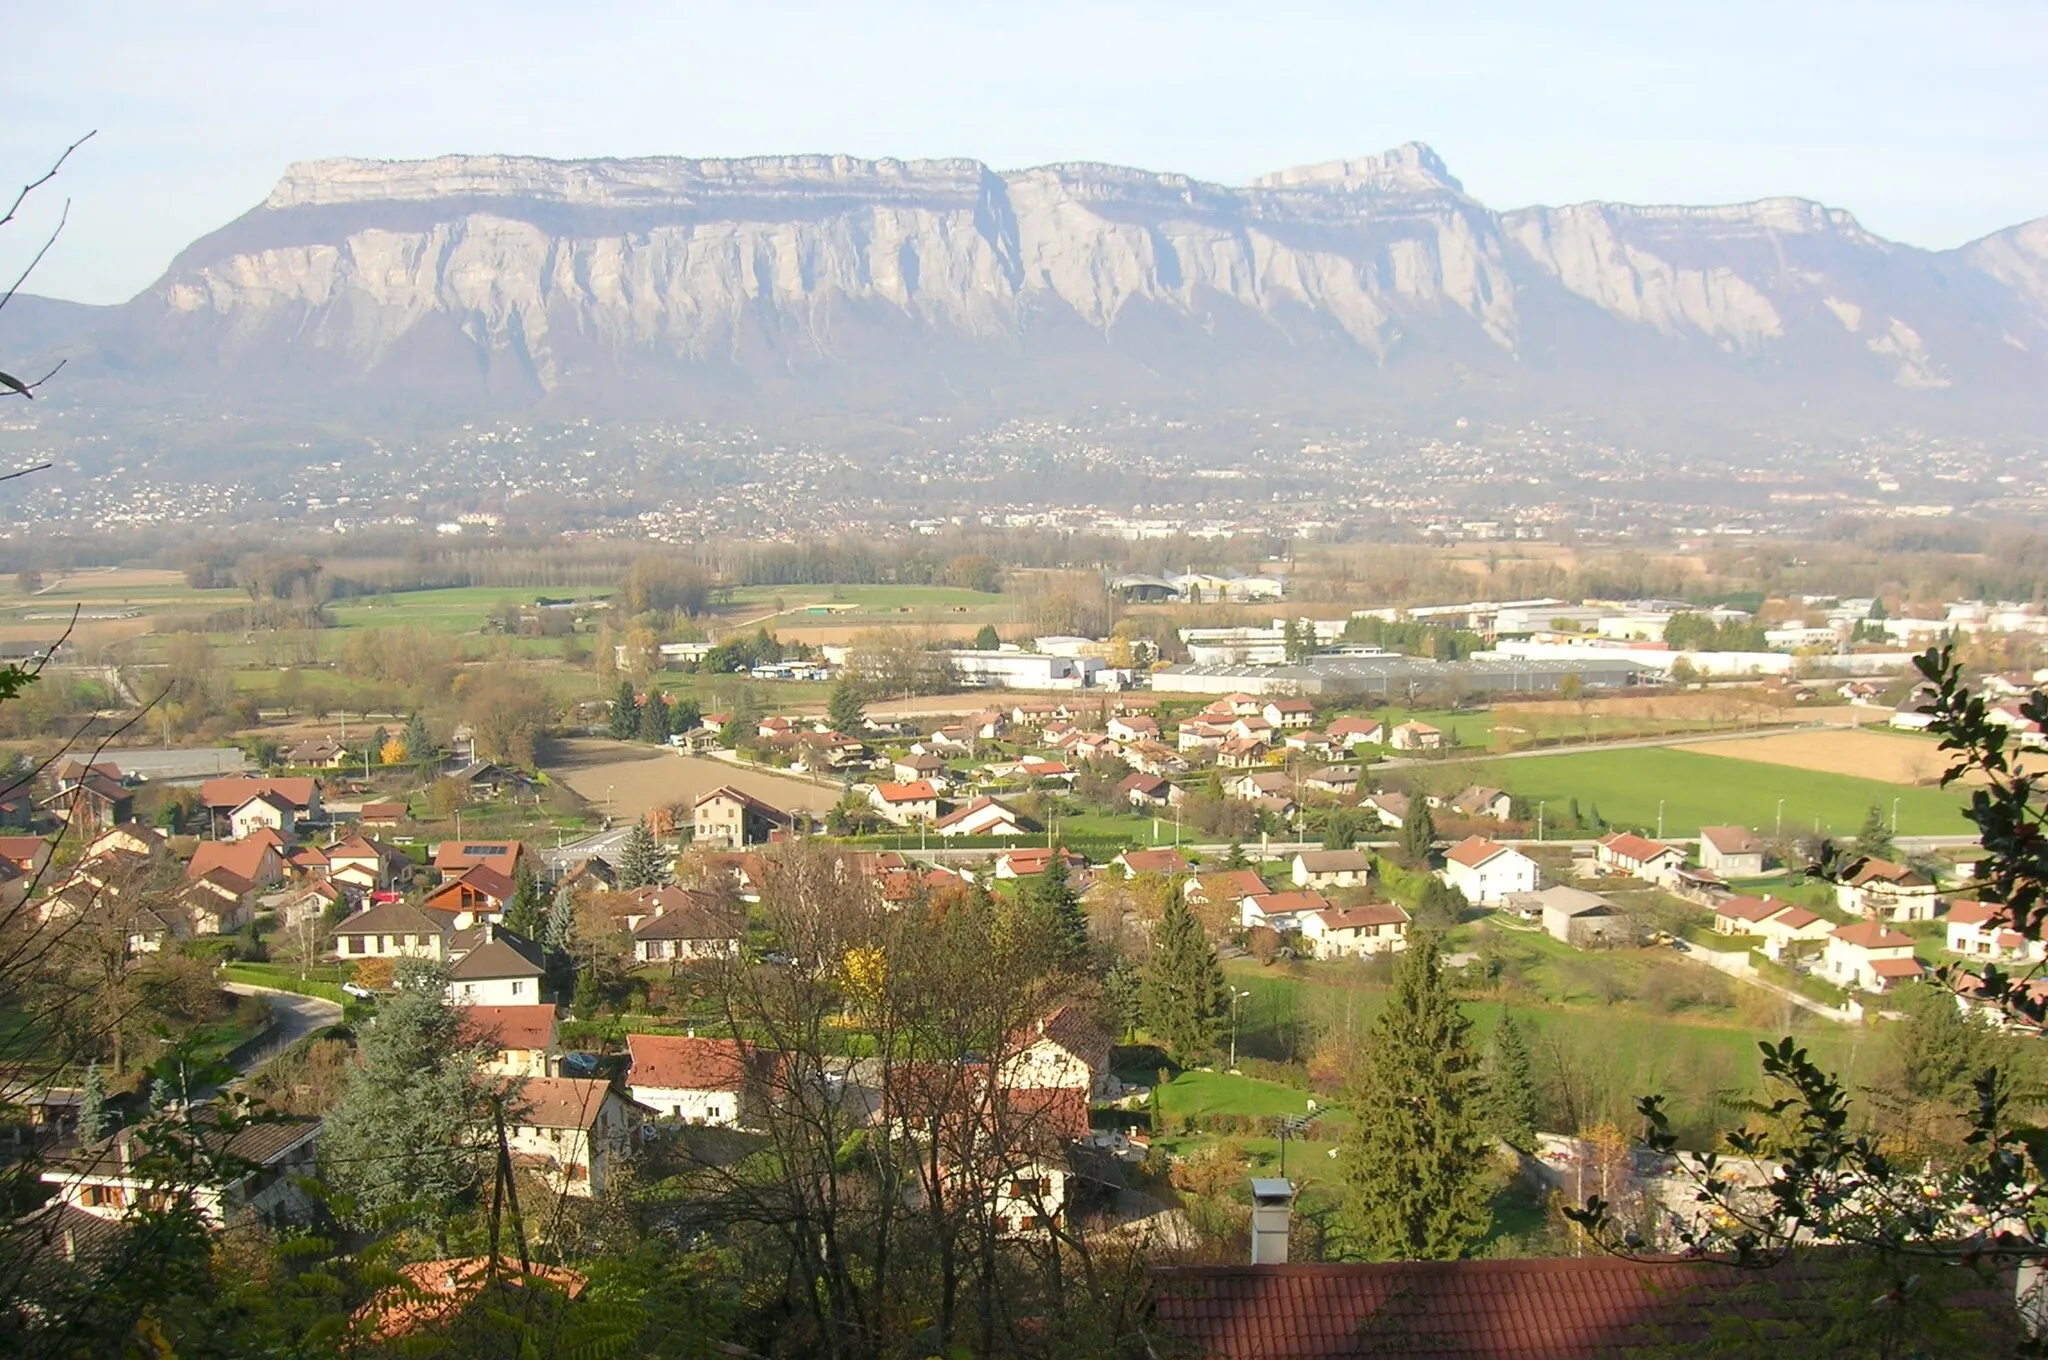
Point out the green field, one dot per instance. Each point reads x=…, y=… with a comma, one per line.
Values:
x=1698, y=789
x=1196, y=1093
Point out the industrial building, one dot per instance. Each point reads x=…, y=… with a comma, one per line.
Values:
x=1396, y=678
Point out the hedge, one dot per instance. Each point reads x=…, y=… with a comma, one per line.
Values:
x=283, y=980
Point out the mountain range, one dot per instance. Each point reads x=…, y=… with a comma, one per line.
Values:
x=679, y=288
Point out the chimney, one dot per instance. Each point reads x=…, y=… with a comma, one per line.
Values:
x=1272, y=1212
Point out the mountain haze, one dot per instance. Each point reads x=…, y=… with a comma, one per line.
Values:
x=679, y=287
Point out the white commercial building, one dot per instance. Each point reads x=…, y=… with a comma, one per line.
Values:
x=1023, y=670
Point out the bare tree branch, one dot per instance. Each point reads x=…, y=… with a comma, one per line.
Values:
x=22, y=197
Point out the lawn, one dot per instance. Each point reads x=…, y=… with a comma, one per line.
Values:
x=1196, y=1093
x=1695, y=789
x=456, y=609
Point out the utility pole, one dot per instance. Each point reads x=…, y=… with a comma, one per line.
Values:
x=1541, y=803
x=1660, y=819
x=1781, y=819
x=1895, y=816
x=1236, y=994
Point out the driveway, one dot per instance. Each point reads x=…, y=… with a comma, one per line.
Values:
x=292, y=1018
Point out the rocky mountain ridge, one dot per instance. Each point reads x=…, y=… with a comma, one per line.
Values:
x=676, y=286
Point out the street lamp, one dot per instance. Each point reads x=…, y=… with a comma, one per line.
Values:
x=1660, y=819
x=1541, y=803
x=1895, y=816
x=1236, y=994
x=1781, y=819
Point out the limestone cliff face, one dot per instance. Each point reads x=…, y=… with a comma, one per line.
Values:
x=878, y=275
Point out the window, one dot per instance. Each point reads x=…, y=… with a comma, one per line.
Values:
x=518, y=987
x=355, y=944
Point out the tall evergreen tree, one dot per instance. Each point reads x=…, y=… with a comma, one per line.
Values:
x=1057, y=908
x=624, y=724
x=985, y=639
x=379, y=739
x=560, y=927
x=1234, y=857
x=94, y=1123
x=1510, y=1087
x=641, y=862
x=526, y=912
x=1875, y=837
x=1123, y=992
x=1183, y=996
x=1415, y=1162
x=654, y=719
x=408, y=1134
x=843, y=709
x=419, y=744
x=1418, y=832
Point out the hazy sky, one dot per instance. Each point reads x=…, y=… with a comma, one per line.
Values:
x=1929, y=121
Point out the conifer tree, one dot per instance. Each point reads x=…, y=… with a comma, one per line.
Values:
x=94, y=1123
x=1123, y=989
x=985, y=639
x=641, y=862
x=526, y=912
x=1415, y=1163
x=843, y=709
x=1875, y=837
x=379, y=739
x=625, y=716
x=1183, y=996
x=418, y=743
x=1418, y=832
x=1510, y=1087
x=1057, y=908
x=1234, y=857
x=654, y=723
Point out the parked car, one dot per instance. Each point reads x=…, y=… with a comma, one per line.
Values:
x=357, y=990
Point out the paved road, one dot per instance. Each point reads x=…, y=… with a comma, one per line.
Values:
x=605, y=845
x=294, y=1017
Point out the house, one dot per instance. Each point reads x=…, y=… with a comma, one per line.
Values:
x=1226, y=887
x=1167, y=862
x=1063, y=1051
x=27, y=855
x=1390, y=808
x=1983, y=930
x=573, y=1131
x=1255, y=729
x=1281, y=911
x=218, y=903
x=982, y=817
x=1573, y=916
x=696, y=1081
x=1869, y=956
x=265, y=811
x=1196, y=735
x=1028, y=861
x=1311, y=743
x=1154, y=757
x=1416, y=736
x=308, y=903
x=502, y=971
x=1481, y=801
x=676, y=925
x=481, y=893
x=368, y=865
x=923, y=765
x=1241, y=753
x=487, y=779
x=906, y=804
x=1133, y=727
x=264, y=1164
x=732, y=817
x=1235, y=706
x=1256, y=784
x=1284, y=714
x=1143, y=790
x=220, y=797
x=1357, y=932
x=452, y=859
x=389, y=930
x=320, y=753
x=381, y=816
x=1885, y=891
x=519, y=1041
x=1624, y=852
x=1486, y=871
x=1332, y=869
x=1334, y=779
x=1731, y=851
x=254, y=860
x=1912, y=714
x=92, y=804
x=1352, y=733
x=1778, y=923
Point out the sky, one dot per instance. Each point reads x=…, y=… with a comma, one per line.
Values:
x=1929, y=121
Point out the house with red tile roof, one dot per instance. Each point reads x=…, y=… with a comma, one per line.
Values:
x=983, y=817
x=730, y=817
x=1143, y=790
x=1731, y=851
x=1167, y=862
x=451, y=859
x=220, y=797
x=1780, y=924
x=1416, y=736
x=572, y=1132
x=1226, y=887
x=693, y=1080
x=1030, y=860
x=1983, y=931
x=1061, y=1051
x=1284, y=714
x=1885, y=891
x=256, y=861
x=1357, y=932
x=479, y=893
x=520, y=1041
x=1624, y=852
x=1351, y=733
x=1282, y=911
x=1487, y=871
x=1869, y=956
x=1323, y=869
x=905, y=804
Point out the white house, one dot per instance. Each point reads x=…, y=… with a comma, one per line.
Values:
x=502, y=971
x=522, y=1041
x=111, y=1179
x=1869, y=956
x=1351, y=733
x=982, y=817
x=396, y=930
x=1062, y=1051
x=1886, y=891
x=679, y=926
x=1487, y=871
x=906, y=804
x=696, y=1081
x=1375, y=928
x=1416, y=736
x=1289, y=713
x=1282, y=911
x=1778, y=923
x=1133, y=727
x=1332, y=869
x=265, y=810
x=1731, y=851
x=573, y=1131
x=1624, y=852
x=1982, y=930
